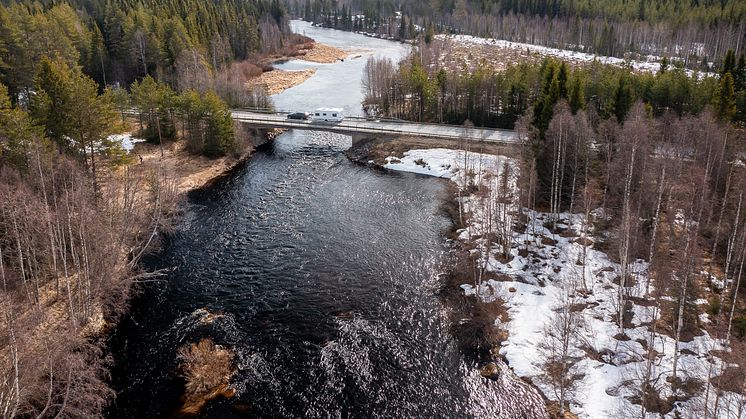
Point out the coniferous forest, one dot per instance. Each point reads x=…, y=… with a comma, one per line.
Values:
x=694, y=32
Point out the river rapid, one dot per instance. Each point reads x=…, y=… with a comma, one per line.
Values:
x=326, y=274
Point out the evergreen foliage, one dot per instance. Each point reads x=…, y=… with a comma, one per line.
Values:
x=693, y=31
x=117, y=43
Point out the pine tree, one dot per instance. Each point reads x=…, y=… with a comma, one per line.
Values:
x=562, y=76
x=17, y=133
x=220, y=134
x=403, y=28
x=739, y=76
x=725, y=102
x=664, y=65
x=622, y=98
x=577, y=95
x=729, y=63
x=52, y=104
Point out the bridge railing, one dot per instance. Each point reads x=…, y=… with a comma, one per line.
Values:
x=376, y=119
x=362, y=126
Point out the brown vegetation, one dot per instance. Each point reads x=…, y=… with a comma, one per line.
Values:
x=207, y=369
x=276, y=81
x=320, y=53
x=189, y=171
x=67, y=264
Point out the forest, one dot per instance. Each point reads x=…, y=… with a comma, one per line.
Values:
x=653, y=166
x=422, y=89
x=696, y=33
x=75, y=217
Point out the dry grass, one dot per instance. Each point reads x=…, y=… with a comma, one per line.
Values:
x=207, y=369
x=320, y=53
x=276, y=81
x=189, y=170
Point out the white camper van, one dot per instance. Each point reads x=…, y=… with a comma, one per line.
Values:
x=327, y=115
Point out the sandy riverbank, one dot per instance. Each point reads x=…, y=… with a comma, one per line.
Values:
x=276, y=81
x=321, y=53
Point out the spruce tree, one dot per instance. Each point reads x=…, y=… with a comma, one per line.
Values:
x=729, y=63
x=577, y=95
x=622, y=98
x=725, y=102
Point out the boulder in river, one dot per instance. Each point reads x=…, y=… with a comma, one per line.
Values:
x=490, y=370
x=205, y=317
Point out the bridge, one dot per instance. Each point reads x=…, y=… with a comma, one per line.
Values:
x=360, y=128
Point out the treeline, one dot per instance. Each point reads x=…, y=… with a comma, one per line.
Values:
x=69, y=243
x=383, y=21
x=120, y=42
x=665, y=190
x=693, y=32
x=662, y=194
x=203, y=120
x=421, y=89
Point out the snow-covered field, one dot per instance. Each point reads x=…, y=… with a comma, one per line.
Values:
x=651, y=63
x=446, y=163
x=546, y=270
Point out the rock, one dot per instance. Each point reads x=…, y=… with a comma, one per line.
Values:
x=344, y=314
x=205, y=317
x=490, y=370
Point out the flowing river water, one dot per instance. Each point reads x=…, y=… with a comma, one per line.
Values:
x=326, y=274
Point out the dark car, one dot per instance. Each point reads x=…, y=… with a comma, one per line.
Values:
x=298, y=115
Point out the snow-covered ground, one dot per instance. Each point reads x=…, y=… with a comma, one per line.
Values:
x=546, y=270
x=126, y=140
x=446, y=163
x=651, y=64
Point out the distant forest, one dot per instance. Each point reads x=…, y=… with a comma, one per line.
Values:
x=692, y=31
x=118, y=42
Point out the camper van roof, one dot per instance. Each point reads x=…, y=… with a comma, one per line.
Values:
x=329, y=110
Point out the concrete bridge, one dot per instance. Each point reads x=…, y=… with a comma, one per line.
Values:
x=361, y=128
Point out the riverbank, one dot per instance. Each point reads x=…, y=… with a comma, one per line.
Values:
x=473, y=322
x=192, y=171
x=276, y=81
x=539, y=275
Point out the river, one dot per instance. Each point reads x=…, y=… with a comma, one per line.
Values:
x=326, y=274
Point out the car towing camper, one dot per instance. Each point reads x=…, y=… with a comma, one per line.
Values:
x=328, y=115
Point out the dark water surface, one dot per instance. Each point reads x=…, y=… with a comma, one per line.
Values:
x=326, y=273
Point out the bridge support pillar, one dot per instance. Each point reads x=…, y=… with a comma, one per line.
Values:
x=361, y=138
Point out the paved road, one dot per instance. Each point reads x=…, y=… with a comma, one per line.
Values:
x=362, y=126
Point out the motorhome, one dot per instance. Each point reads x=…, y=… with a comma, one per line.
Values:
x=328, y=115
